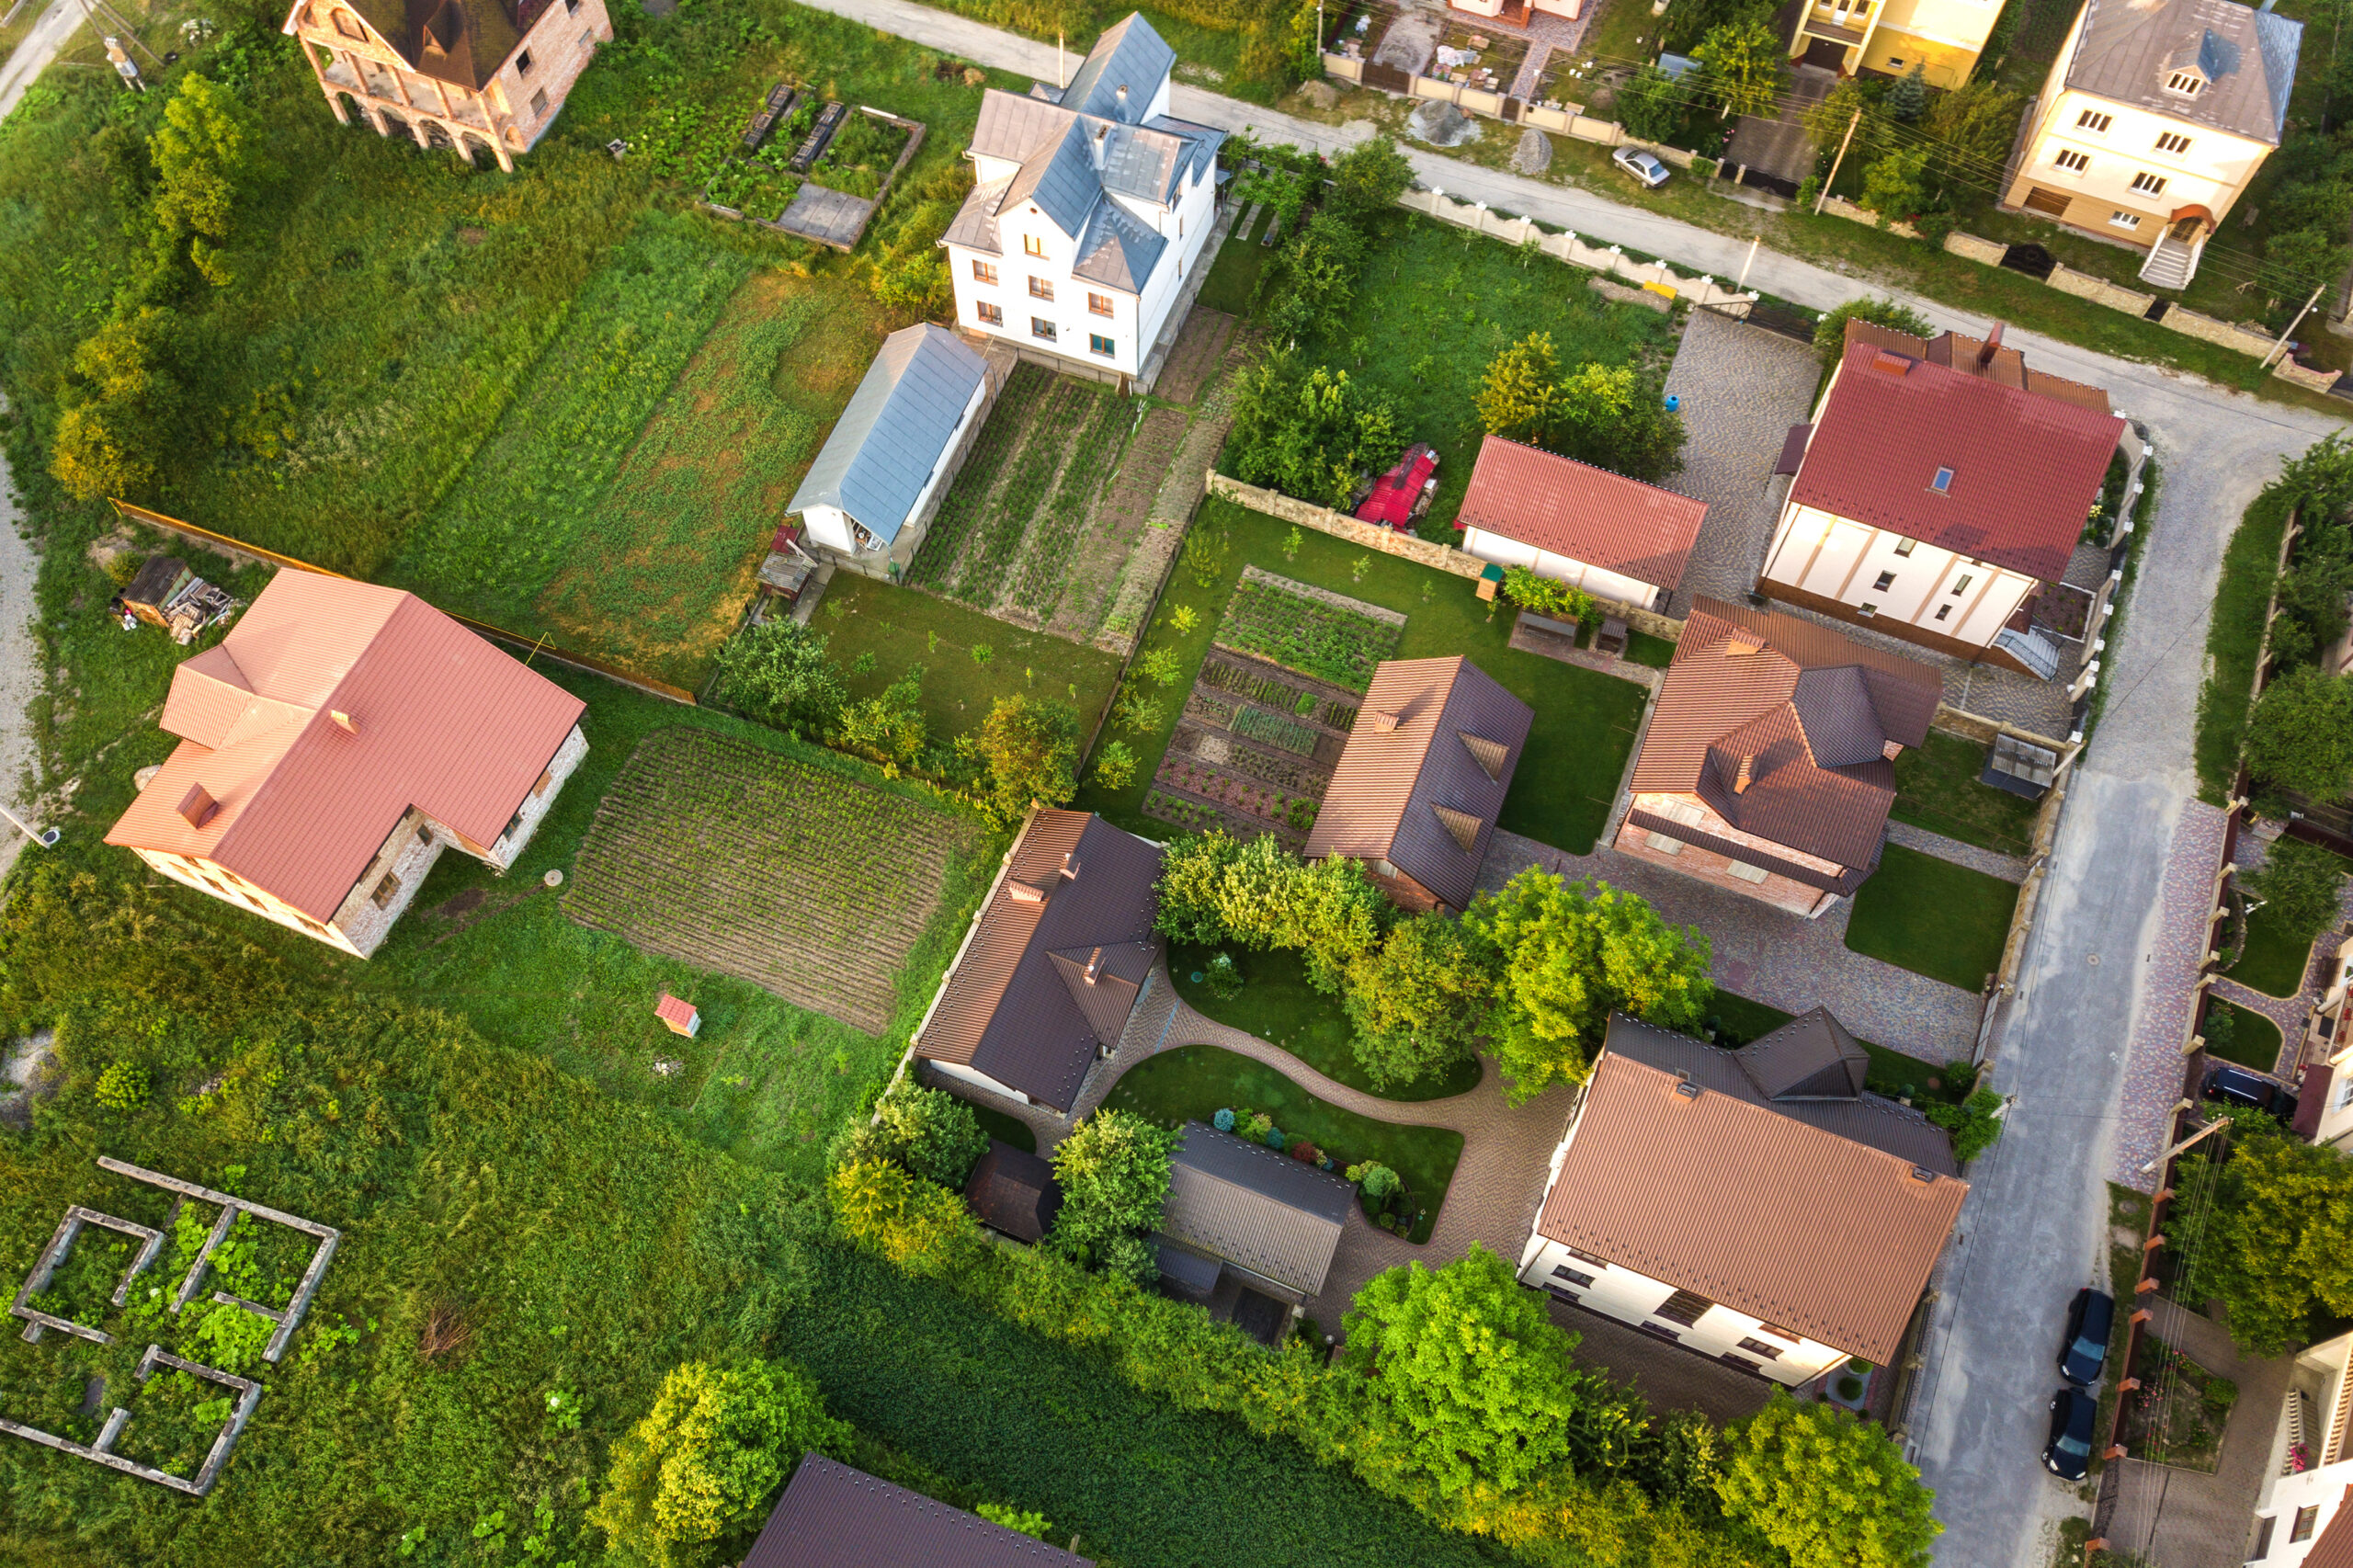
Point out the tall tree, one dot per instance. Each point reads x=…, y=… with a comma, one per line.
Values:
x=1368, y=180
x=1743, y=62
x=1649, y=104
x=1113, y=1169
x=1519, y=397
x=1420, y=1000
x=204, y=154
x=1830, y=1491
x=2301, y=736
x=121, y=407
x=2302, y=884
x=1894, y=186
x=778, y=673
x=930, y=1131
x=2275, y=1246
x=1468, y=1383
x=1615, y=417
x=1029, y=752
x=1830, y=331
x=1909, y=97
x=1571, y=954
x=917, y=1224
x=1312, y=433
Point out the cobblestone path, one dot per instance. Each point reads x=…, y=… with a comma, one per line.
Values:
x=1992, y=862
x=2153, y=1071
x=1741, y=388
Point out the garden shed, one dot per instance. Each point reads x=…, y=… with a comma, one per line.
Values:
x=1615, y=538
x=1264, y=1224
x=1014, y=1192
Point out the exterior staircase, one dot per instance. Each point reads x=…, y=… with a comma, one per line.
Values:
x=2031, y=648
x=2173, y=260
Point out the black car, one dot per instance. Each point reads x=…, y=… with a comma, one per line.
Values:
x=2236, y=1085
x=2069, y=1452
x=2084, y=1352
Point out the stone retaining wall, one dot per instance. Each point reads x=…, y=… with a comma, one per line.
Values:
x=1655, y=276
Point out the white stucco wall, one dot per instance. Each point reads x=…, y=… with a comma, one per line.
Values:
x=1843, y=559
x=1596, y=580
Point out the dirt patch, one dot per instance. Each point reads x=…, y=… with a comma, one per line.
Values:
x=1197, y=352
x=464, y=903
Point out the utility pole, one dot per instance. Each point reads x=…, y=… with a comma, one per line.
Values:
x=1841, y=158
x=2280, y=346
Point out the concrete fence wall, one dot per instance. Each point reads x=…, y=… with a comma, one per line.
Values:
x=1839, y=207
x=1655, y=276
x=1984, y=252
x=2099, y=290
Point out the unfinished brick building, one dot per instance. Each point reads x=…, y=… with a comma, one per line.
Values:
x=470, y=75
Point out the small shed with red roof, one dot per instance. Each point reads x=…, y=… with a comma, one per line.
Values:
x=1615, y=538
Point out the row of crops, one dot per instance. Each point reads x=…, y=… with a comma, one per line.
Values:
x=1279, y=621
x=725, y=855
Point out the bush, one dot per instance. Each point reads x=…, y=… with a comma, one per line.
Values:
x=1375, y=1180
x=1222, y=1120
x=1972, y=1123
x=1223, y=977
x=1115, y=766
x=1830, y=332
x=1113, y=1169
x=778, y=673
x=1314, y=434
x=1546, y=596
x=930, y=1131
x=1650, y=105
x=889, y=729
x=1034, y=1525
x=1214, y=889
x=702, y=1468
x=2302, y=884
x=1029, y=752
x=917, y=1224
x=123, y=1087
x=2301, y=736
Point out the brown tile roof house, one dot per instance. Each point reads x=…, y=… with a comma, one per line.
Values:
x=1983, y=358
x=1253, y=1209
x=2025, y=466
x=1589, y=514
x=834, y=1516
x=1781, y=727
x=1013, y=1191
x=330, y=712
x=1055, y=962
x=1826, y=1215
x=1423, y=780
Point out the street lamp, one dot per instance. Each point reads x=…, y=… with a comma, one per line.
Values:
x=46, y=839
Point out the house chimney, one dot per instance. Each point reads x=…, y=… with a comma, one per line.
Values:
x=1094, y=965
x=1022, y=892
x=344, y=721
x=1891, y=364
x=1993, y=342
x=1746, y=776
x=1069, y=868
x=1383, y=720
x=1122, y=96
x=1102, y=135
x=197, y=805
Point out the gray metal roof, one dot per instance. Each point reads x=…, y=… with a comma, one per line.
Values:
x=1263, y=1210
x=2130, y=48
x=834, y=1516
x=1059, y=174
x=1129, y=54
x=974, y=226
x=902, y=418
x=1117, y=250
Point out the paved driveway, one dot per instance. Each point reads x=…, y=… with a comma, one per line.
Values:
x=1740, y=389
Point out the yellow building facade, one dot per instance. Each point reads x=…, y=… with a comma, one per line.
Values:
x=1943, y=38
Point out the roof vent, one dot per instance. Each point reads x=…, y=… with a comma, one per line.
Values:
x=1891, y=364
x=344, y=721
x=1923, y=1173
x=1070, y=868
x=1102, y=135
x=1022, y=892
x=1122, y=95
x=1743, y=641
x=1747, y=774
x=197, y=805
x=1094, y=965
x=1383, y=720
x=1687, y=1088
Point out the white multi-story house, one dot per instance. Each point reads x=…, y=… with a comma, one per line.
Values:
x=465, y=74
x=2153, y=120
x=333, y=744
x=2302, y=1519
x=1940, y=487
x=1089, y=212
x=1756, y=1206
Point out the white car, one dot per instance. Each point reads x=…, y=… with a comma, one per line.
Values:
x=1642, y=165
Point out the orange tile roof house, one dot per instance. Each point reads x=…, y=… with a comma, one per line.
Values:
x=1756, y=1206
x=1769, y=763
x=1418, y=789
x=1615, y=538
x=1055, y=964
x=332, y=745
x=1939, y=496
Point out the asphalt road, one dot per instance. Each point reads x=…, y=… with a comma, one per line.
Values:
x=2033, y=1230
x=41, y=45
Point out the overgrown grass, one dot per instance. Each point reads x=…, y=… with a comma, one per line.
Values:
x=1937, y=788
x=1932, y=917
x=1584, y=724
x=2234, y=642
x=1279, y=1007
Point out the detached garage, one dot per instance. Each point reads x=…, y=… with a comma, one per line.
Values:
x=1615, y=538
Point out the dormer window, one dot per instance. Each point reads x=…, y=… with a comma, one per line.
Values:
x=2187, y=83
x=349, y=29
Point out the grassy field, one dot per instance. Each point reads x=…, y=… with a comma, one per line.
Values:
x=900, y=627
x=1435, y=304
x=1194, y=1082
x=1937, y=788
x=1932, y=917
x=2255, y=1040
x=1585, y=720
x=1892, y=1073
x=1279, y=1006
x=2270, y=960
x=2233, y=642
x=1232, y=282
x=720, y=853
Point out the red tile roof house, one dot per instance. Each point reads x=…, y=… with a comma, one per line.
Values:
x=1942, y=485
x=1059, y=956
x=1756, y=1206
x=333, y=744
x=1769, y=763
x=1615, y=538
x=1417, y=791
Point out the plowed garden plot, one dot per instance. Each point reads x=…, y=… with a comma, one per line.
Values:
x=1253, y=751
x=1312, y=631
x=1092, y=580
x=726, y=856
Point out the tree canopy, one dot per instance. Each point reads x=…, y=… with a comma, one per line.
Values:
x=1830, y=1491
x=1571, y=954
x=777, y=671
x=1214, y=889
x=928, y=1131
x=204, y=153
x=2301, y=736
x=1113, y=1169
x=1830, y=331
x=1419, y=1001
x=2274, y=1246
x=1312, y=433
x=2300, y=884
x=1029, y=755
x=1609, y=415
x=1743, y=62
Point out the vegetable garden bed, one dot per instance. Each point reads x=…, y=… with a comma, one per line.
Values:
x=812, y=887
x=2177, y=1413
x=1254, y=751
x=1311, y=630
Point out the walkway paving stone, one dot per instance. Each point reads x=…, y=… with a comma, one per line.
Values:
x=1740, y=389
x=2153, y=1071
x=1992, y=862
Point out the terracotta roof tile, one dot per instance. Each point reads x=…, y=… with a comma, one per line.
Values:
x=443, y=722
x=1750, y=1205
x=1384, y=799
x=1584, y=513
x=2026, y=466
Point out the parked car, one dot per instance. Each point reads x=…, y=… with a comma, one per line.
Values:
x=1642, y=165
x=2236, y=1085
x=2082, y=1355
x=2069, y=1452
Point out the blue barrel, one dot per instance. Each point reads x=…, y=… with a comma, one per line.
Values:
x=1672, y=403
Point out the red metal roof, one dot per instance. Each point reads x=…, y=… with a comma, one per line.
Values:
x=673, y=1010
x=2026, y=466
x=1391, y=502
x=438, y=720
x=1584, y=513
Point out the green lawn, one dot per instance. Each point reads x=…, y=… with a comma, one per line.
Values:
x=2234, y=641
x=904, y=627
x=1006, y=1128
x=1932, y=917
x=2254, y=1041
x=1279, y=1007
x=1937, y=788
x=1435, y=304
x=1585, y=720
x=1193, y=1083
x=1233, y=281
x=1892, y=1073
x=2270, y=960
